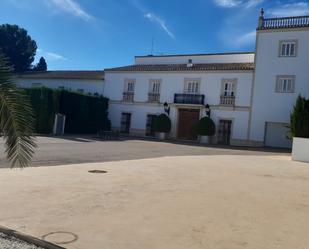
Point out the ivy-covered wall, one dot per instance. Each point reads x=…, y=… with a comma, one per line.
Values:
x=84, y=114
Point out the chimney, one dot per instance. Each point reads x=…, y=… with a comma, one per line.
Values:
x=190, y=64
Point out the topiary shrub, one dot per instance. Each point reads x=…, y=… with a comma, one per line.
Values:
x=300, y=118
x=162, y=123
x=206, y=127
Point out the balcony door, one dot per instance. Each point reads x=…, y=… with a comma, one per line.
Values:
x=187, y=123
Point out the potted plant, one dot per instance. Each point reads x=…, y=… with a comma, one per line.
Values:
x=299, y=130
x=206, y=128
x=162, y=126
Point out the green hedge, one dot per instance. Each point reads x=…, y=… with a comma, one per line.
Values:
x=206, y=127
x=300, y=118
x=84, y=114
x=162, y=123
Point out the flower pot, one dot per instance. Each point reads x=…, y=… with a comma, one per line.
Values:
x=300, y=149
x=204, y=139
x=161, y=135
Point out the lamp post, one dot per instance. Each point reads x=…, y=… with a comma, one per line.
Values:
x=207, y=110
x=167, y=108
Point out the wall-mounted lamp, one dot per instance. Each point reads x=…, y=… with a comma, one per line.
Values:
x=207, y=110
x=167, y=108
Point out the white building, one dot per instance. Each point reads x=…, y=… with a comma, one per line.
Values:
x=79, y=81
x=250, y=95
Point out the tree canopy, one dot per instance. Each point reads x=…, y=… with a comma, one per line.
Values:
x=17, y=46
x=41, y=66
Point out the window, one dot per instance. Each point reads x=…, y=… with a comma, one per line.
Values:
x=192, y=86
x=288, y=48
x=229, y=87
x=155, y=86
x=285, y=84
x=129, y=86
x=36, y=85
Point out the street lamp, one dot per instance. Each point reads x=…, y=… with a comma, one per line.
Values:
x=207, y=110
x=166, y=108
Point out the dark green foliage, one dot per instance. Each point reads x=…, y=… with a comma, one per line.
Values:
x=300, y=118
x=206, y=127
x=16, y=119
x=84, y=114
x=162, y=123
x=17, y=46
x=41, y=66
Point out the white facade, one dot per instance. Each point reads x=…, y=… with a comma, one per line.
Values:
x=270, y=105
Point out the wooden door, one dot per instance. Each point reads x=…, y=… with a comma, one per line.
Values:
x=187, y=123
x=224, y=132
x=150, y=125
x=125, y=123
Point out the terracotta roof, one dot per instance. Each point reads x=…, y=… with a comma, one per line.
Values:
x=95, y=75
x=179, y=55
x=183, y=67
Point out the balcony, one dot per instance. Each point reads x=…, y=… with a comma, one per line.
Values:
x=154, y=97
x=128, y=96
x=194, y=99
x=227, y=100
x=284, y=22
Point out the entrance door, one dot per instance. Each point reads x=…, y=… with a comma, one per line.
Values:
x=125, y=122
x=187, y=123
x=150, y=125
x=224, y=132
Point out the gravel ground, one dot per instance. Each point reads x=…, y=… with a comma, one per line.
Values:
x=9, y=242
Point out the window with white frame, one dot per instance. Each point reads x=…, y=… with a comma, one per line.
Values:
x=192, y=86
x=288, y=48
x=229, y=87
x=285, y=84
x=155, y=86
x=129, y=86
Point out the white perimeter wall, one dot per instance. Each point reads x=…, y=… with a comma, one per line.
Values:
x=269, y=106
x=223, y=58
x=92, y=86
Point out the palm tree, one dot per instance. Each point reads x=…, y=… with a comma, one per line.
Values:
x=16, y=119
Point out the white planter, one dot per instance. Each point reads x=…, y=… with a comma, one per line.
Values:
x=300, y=151
x=161, y=135
x=204, y=139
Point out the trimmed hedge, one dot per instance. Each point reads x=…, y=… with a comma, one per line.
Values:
x=300, y=118
x=84, y=114
x=206, y=127
x=162, y=123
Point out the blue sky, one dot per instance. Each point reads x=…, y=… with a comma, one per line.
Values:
x=96, y=34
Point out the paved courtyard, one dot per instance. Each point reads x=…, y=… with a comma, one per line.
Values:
x=212, y=201
x=74, y=150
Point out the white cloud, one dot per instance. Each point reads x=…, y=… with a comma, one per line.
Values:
x=71, y=7
x=294, y=9
x=152, y=17
x=50, y=56
x=238, y=3
x=54, y=57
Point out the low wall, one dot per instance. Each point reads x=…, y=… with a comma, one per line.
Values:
x=300, y=151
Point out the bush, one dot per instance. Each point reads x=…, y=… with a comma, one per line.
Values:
x=206, y=127
x=162, y=123
x=84, y=114
x=300, y=118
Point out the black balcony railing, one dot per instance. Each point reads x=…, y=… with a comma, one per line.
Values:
x=196, y=99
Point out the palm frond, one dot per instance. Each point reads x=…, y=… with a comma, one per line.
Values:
x=16, y=119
